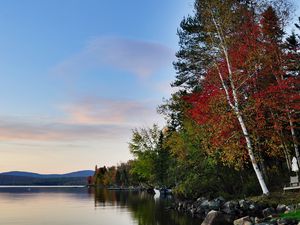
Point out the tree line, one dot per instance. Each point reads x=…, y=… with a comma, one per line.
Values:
x=232, y=126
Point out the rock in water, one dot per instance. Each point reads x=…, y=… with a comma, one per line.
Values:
x=243, y=221
x=215, y=218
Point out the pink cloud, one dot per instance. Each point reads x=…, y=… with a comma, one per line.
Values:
x=93, y=110
x=55, y=131
x=89, y=119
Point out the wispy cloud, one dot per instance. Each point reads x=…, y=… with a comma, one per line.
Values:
x=55, y=131
x=91, y=118
x=137, y=57
x=95, y=110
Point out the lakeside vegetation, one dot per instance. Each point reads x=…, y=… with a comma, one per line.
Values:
x=233, y=122
x=292, y=215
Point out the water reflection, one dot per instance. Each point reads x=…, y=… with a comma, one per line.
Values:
x=146, y=210
x=71, y=206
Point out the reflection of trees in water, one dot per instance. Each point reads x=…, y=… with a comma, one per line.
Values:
x=145, y=209
x=104, y=197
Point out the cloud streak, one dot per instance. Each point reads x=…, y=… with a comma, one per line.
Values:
x=91, y=118
x=140, y=58
x=53, y=131
x=95, y=110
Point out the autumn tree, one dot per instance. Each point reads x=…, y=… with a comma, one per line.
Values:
x=151, y=162
x=223, y=22
x=246, y=68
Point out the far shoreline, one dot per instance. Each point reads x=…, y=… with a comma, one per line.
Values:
x=43, y=186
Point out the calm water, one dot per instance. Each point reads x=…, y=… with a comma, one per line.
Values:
x=82, y=206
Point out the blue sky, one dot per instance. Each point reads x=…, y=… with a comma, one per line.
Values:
x=77, y=75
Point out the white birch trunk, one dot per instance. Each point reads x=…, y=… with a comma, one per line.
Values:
x=251, y=155
x=294, y=138
x=234, y=104
x=287, y=157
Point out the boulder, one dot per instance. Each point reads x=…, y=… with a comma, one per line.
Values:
x=281, y=208
x=268, y=223
x=253, y=207
x=204, y=204
x=230, y=207
x=215, y=218
x=243, y=221
x=269, y=212
x=220, y=199
x=201, y=199
x=289, y=208
x=214, y=205
x=284, y=221
x=192, y=211
x=244, y=204
x=199, y=210
x=261, y=220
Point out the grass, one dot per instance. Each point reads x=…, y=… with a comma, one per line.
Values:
x=275, y=198
x=291, y=215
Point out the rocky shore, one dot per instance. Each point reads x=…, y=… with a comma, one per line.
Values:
x=241, y=212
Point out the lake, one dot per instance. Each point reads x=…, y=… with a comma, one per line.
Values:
x=83, y=206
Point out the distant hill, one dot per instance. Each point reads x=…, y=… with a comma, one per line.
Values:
x=81, y=173
x=28, y=178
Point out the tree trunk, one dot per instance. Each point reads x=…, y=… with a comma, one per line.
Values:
x=294, y=138
x=251, y=155
x=234, y=102
x=262, y=164
x=288, y=157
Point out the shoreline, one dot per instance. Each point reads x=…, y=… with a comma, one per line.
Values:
x=219, y=211
x=42, y=186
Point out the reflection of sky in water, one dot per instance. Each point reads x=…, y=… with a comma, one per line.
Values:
x=80, y=206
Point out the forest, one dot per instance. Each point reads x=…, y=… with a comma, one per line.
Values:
x=232, y=122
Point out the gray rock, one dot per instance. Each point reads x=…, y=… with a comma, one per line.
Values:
x=192, y=211
x=284, y=221
x=204, y=204
x=201, y=199
x=262, y=220
x=267, y=223
x=230, y=207
x=244, y=204
x=215, y=218
x=257, y=220
x=253, y=207
x=269, y=212
x=214, y=205
x=200, y=210
x=281, y=208
x=289, y=208
x=220, y=199
x=243, y=221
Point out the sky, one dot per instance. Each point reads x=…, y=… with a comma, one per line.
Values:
x=76, y=76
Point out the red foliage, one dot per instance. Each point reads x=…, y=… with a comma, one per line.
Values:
x=266, y=92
